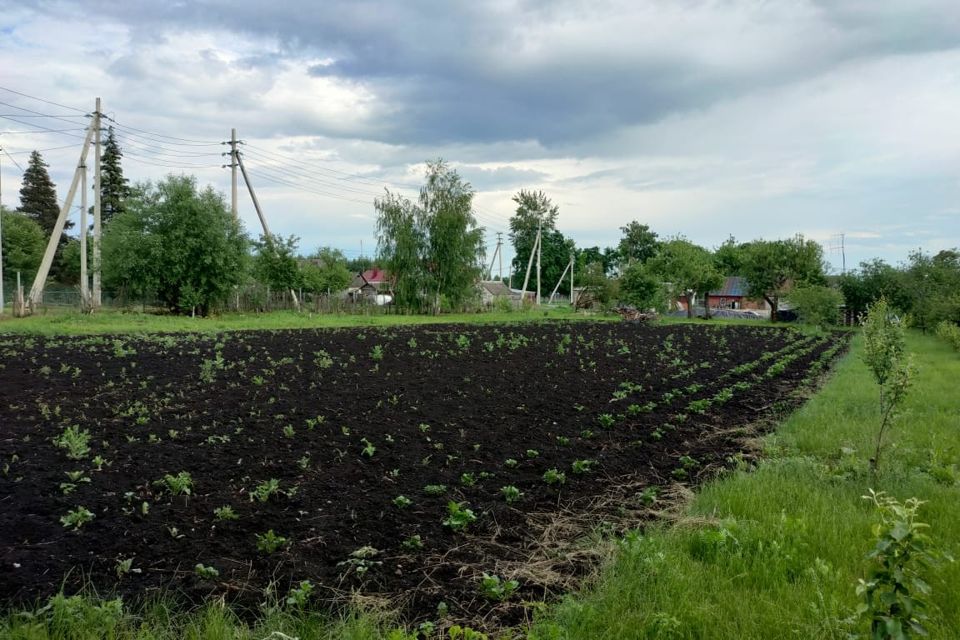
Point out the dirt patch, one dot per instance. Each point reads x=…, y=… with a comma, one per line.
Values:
x=358, y=440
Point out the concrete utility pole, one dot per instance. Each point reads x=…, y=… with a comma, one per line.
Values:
x=97, y=298
x=573, y=302
x=499, y=244
x=233, y=172
x=263, y=220
x=539, y=244
x=496, y=252
x=526, y=278
x=1, y=233
x=560, y=281
x=84, y=282
x=36, y=291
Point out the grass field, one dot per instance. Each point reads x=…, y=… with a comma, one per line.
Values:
x=773, y=550
x=71, y=322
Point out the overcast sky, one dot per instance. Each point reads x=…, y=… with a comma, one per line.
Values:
x=707, y=119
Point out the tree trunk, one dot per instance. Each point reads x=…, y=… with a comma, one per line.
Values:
x=689, y=305
x=706, y=305
x=773, y=302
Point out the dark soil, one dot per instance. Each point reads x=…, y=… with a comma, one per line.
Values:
x=438, y=403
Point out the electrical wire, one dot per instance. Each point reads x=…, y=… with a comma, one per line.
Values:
x=50, y=102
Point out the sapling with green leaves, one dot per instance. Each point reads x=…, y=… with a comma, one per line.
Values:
x=459, y=516
x=76, y=518
x=884, y=353
x=895, y=593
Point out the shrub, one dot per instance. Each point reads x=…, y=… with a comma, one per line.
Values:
x=816, y=305
x=950, y=333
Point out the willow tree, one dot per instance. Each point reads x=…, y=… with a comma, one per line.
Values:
x=432, y=249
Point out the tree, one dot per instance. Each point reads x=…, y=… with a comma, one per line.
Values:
x=816, y=305
x=326, y=271
x=178, y=243
x=69, y=267
x=607, y=259
x=771, y=267
x=433, y=249
x=114, y=188
x=358, y=265
x=689, y=268
x=641, y=288
x=933, y=283
x=23, y=245
x=638, y=244
x=874, y=279
x=275, y=262
x=534, y=210
x=729, y=257
x=38, y=196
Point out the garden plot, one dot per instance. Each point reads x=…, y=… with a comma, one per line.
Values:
x=426, y=465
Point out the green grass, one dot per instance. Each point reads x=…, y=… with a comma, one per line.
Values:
x=109, y=321
x=771, y=552
x=776, y=552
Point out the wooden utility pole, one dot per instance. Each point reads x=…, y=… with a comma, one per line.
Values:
x=84, y=282
x=539, y=244
x=263, y=221
x=573, y=302
x=97, y=228
x=36, y=291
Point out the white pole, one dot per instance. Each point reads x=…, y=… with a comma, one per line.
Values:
x=97, y=299
x=526, y=278
x=36, y=291
x=539, y=245
x=233, y=172
x=1, y=236
x=84, y=283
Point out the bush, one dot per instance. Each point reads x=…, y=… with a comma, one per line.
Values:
x=950, y=333
x=816, y=305
x=641, y=288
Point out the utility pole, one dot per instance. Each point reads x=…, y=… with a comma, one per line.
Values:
x=263, y=221
x=496, y=252
x=1, y=232
x=84, y=282
x=539, y=244
x=573, y=303
x=562, y=276
x=233, y=172
x=526, y=278
x=36, y=291
x=843, y=255
x=499, y=244
x=97, y=229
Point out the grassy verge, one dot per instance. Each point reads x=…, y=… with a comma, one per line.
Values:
x=108, y=321
x=776, y=551
x=773, y=551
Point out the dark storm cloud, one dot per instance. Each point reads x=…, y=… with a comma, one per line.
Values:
x=479, y=72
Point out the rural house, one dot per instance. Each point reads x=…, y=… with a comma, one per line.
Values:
x=733, y=295
x=369, y=284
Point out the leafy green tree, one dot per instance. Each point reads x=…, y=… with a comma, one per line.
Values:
x=177, y=242
x=873, y=280
x=325, y=270
x=38, y=196
x=275, y=262
x=638, y=244
x=771, y=267
x=689, y=268
x=816, y=304
x=357, y=265
x=933, y=287
x=607, y=258
x=534, y=209
x=69, y=267
x=596, y=286
x=433, y=249
x=729, y=257
x=114, y=187
x=639, y=287
x=23, y=245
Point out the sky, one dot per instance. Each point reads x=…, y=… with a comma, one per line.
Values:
x=750, y=118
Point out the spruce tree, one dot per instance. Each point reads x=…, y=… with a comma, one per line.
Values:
x=38, y=195
x=114, y=188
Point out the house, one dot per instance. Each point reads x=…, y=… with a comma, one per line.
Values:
x=733, y=295
x=491, y=290
x=371, y=284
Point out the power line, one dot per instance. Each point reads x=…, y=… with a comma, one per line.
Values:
x=48, y=129
x=50, y=102
x=12, y=159
x=68, y=146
